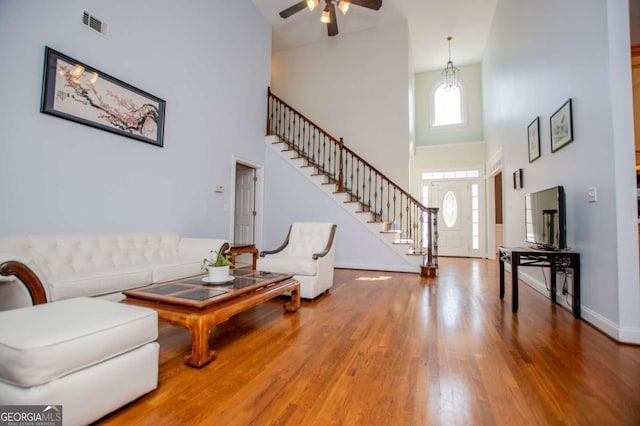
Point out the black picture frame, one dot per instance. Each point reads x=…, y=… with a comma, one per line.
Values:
x=517, y=179
x=561, y=126
x=533, y=138
x=78, y=92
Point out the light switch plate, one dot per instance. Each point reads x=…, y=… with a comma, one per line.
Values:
x=592, y=194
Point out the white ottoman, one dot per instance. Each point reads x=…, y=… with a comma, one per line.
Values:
x=89, y=355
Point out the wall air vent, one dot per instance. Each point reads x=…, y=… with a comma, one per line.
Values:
x=95, y=23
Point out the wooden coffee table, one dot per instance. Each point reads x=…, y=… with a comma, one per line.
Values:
x=198, y=306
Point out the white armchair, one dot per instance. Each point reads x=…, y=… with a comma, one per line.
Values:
x=308, y=252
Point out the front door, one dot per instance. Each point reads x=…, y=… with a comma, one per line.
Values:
x=454, y=218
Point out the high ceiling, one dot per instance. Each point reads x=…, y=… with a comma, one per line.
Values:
x=430, y=23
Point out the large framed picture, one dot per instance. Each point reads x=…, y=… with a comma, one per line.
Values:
x=561, y=123
x=533, y=132
x=80, y=93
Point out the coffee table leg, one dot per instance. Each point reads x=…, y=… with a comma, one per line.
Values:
x=294, y=304
x=200, y=353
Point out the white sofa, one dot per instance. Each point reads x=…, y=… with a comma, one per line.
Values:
x=99, y=265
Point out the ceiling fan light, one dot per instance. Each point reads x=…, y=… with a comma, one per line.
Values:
x=326, y=17
x=343, y=5
x=312, y=4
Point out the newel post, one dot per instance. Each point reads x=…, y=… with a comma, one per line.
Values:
x=340, y=171
x=428, y=269
x=268, y=132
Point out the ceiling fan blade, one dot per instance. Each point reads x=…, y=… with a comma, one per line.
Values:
x=332, y=27
x=293, y=9
x=369, y=4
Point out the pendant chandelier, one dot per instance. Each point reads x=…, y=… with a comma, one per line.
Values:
x=450, y=73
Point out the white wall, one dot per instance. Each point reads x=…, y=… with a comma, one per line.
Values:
x=210, y=61
x=291, y=197
x=354, y=86
x=446, y=157
x=583, y=54
x=472, y=130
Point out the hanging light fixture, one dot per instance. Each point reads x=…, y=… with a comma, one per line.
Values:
x=343, y=5
x=312, y=4
x=450, y=73
x=326, y=17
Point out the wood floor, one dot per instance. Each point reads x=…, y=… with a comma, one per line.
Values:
x=395, y=349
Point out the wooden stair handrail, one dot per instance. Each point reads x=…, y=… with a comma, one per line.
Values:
x=340, y=143
x=327, y=134
x=334, y=160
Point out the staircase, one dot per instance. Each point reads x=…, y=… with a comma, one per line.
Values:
x=389, y=211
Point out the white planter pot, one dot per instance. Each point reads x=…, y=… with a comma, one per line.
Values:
x=218, y=273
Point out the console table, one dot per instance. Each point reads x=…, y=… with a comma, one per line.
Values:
x=555, y=260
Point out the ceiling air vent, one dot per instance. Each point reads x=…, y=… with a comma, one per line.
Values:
x=95, y=23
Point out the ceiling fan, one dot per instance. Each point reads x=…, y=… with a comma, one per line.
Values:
x=329, y=13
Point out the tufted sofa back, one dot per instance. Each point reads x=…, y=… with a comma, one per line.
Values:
x=307, y=238
x=62, y=254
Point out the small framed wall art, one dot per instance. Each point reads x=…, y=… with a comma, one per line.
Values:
x=517, y=179
x=561, y=123
x=77, y=92
x=533, y=132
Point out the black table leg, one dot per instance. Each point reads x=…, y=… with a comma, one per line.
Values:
x=515, y=260
x=501, y=275
x=575, y=302
x=554, y=284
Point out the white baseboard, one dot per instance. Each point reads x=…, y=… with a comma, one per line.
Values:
x=630, y=335
x=369, y=267
x=608, y=327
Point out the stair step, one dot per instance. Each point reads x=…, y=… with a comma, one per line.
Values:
x=403, y=241
x=392, y=231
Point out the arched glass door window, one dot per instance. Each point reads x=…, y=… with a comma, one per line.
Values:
x=450, y=209
x=447, y=106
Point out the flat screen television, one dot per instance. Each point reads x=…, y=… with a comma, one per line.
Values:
x=545, y=219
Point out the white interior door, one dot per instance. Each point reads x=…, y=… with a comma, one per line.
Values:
x=244, y=219
x=454, y=218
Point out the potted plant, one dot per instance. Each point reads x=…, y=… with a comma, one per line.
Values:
x=217, y=265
